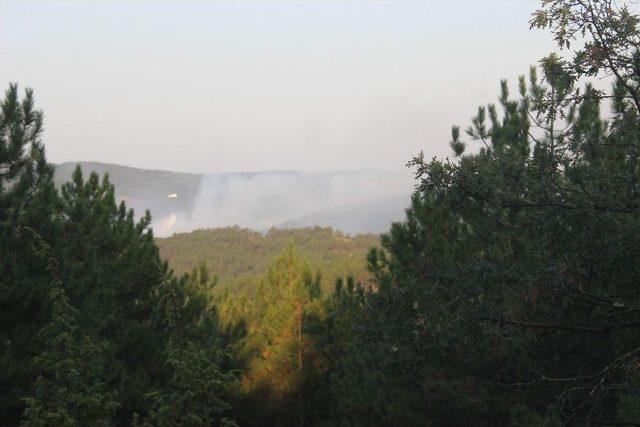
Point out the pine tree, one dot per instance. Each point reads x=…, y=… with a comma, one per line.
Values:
x=24, y=172
x=27, y=199
x=194, y=395
x=113, y=270
x=69, y=390
x=280, y=353
x=525, y=245
x=108, y=266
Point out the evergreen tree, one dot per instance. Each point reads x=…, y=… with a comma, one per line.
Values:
x=112, y=271
x=69, y=391
x=280, y=355
x=508, y=295
x=25, y=176
x=108, y=266
x=195, y=392
x=27, y=200
x=340, y=385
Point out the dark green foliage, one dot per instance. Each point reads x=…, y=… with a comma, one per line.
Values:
x=76, y=366
x=115, y=270
x=69, y=391
x=23, y=169
x=194, y=393
x=404, y=362
x=509, y=294
x=27, y=201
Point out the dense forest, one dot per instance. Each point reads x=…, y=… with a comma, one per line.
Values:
x=508, y=295
x=240, y=257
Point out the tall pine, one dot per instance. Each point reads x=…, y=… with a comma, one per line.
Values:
x=27, y=199
x=69, y=389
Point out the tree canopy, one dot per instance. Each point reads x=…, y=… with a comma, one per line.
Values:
x=507, y=296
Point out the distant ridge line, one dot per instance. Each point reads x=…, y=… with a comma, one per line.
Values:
x=265, y=171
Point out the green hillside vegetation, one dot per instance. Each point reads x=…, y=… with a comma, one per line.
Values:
x=239, y=257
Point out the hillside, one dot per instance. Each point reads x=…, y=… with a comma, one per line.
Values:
x=141, y=188
x=239, y=256
x=378, y=214
x=350, y=201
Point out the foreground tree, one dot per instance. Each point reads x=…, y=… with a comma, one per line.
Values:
x=195, y=392
x=510, y=293
x=69, y=391
x=112, y=272
x=107, y=266
x=27, y=200
x=278, y=355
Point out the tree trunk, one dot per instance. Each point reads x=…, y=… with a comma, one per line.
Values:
x=300, y=366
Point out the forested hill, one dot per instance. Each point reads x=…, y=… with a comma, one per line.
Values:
x=240, y=257
x=350, y=201
x=141, y=188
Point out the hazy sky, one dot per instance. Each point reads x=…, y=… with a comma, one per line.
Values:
x=261, y=85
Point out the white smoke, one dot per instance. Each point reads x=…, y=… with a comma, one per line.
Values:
x=357, y=201
x=166, y=225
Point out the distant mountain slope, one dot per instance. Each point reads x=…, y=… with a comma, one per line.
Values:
x=350, y=201
x=241, y=256
x=142, y=188
x=374, y=216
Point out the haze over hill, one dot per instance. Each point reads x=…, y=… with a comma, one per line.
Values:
x=350, y=201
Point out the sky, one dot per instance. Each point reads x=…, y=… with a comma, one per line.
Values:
x=222, y=86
